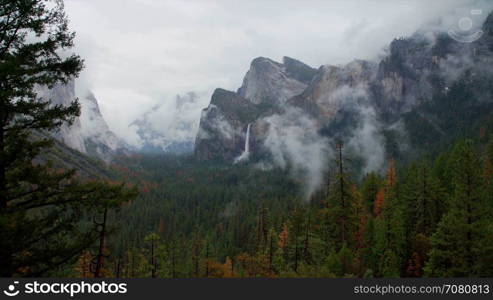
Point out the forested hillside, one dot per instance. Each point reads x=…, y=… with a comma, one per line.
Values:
x=425, y=210
x=432, y=217
x=369, y=169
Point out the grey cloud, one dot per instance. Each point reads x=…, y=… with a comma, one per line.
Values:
x=139, y=52
x=294, y=143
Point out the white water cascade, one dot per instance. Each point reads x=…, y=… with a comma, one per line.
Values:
x=246, y=151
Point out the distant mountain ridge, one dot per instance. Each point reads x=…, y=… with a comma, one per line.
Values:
x=352, y=101
x=89, y=133
x=169, y=126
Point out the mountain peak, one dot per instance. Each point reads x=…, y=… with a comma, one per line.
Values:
x=270, y=82
x=259, y=61
x=299, y=70
x=220, y=94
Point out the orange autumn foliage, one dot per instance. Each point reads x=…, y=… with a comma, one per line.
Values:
x=390, y=182
x=228, y=271
x=219, y=270
x=82, y=268
x=379, y=202
x=391, y=174
x=254, y=266
x=284, y=236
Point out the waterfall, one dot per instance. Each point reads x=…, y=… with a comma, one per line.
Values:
x=246, y=150
x=247, y=140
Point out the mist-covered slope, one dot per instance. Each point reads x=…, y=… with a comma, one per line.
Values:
x=425, y=90
x=89, y=133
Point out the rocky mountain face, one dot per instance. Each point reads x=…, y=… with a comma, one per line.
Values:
x=266, y=87
x=273, y=83
x=223, y=125
x=89, y=133
x=332, y=87
x=372, y=97
x=99, y=140
x=64, y=95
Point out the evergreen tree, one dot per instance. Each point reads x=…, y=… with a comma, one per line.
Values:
x=390, y=233
x=369, y=189
x=424, y=199
x=40, y=209
x=342, y=221
x=488, y=173
x=153, y=241
x=462, y=245
x=296, y=237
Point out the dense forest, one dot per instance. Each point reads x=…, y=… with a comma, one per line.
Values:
x=432, y=217
x=427, y=213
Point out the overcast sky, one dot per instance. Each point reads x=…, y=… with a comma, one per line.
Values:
x=141, y=52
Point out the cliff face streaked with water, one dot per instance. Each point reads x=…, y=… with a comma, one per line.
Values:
x=351, y=101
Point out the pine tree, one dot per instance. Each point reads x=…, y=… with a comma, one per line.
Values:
x=390, y=235
x=389, y=264
x=340, y=263
x=40, y=209
x=462, y=245
x=197, y=244
x=367, y=254
x=488, y=173
x=424, y=198
x=342, y=221
x=99, y=257
x=369, y=190
x=152, y=240
x=296, y=235
x=262, y=228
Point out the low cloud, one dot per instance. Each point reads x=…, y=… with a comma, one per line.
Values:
x=294, y=142
x=170, y=122
x=367, y=140
x=138, y=53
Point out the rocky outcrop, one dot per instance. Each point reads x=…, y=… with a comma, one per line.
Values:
x=271, y=83
x=266, y=88
x=99, y=140
x=64, y=94
x=334, y=87
x=223, y=126
x=415, y=71
x=89, y=132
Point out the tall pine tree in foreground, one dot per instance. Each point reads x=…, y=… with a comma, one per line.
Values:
x=341, y=219
x=40, y=208
x=390, y=236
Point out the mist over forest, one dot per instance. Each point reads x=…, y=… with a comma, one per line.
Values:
x=172, y=139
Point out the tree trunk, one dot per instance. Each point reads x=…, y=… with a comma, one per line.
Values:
x=102, y=237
